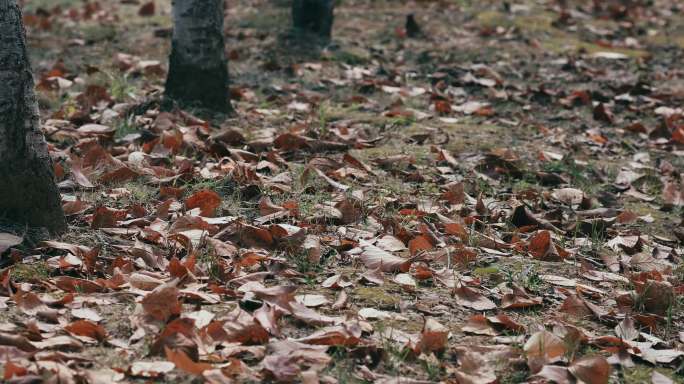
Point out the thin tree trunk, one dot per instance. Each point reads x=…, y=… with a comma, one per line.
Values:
x=313, y=17
x=198, y=68
x=28, y=194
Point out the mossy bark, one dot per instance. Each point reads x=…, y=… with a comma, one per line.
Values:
x=28, y=193
x=198, y=67
x=313, y=17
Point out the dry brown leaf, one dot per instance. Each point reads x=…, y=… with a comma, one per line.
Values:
x=468, y=297
x=288, y=358
x=348, y=334
x=162, y=303
x=184, y=363
x=8, y=240
x=555, y=374
x=479, y=325
x=374, y=258
x=543, y=348
x=626, y=329
x=87, y=329
x=206, y=200
x=151, y=369
x=591, y=370
x=477, y=364
x=434, y=337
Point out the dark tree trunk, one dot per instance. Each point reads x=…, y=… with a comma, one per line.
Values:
x=28, y=194
x=413, y=30
x=198, y=68
x=313, y=17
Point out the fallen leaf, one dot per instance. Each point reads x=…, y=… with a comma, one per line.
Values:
x=206, y=200
x=374, y=257
x=434, y=337
x=87, y=329
x=151, y=369
x=184, y=363
x=162, y=303
x=626, y=329
x=8, y=240
x=591, y=370
x=468, y=297
x=543, y=348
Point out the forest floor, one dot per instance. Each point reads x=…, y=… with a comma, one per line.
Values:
x=497, y=199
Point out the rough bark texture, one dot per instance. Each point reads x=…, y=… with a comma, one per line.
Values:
x=198, y=68
x=313, y=17
x=28, y=194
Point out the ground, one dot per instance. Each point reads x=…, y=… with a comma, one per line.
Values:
x=496, y=199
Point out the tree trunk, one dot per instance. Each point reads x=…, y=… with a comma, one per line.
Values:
x=28, y=194
x=313, y=17
x=198, y=68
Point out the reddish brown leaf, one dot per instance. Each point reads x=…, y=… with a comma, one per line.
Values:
x=88, y=329
x=591, y=370
x=162, y=303
x=206, y=200
x=13, y=370
x=147, y=9
x=470, y=298
x=184, y=363
x=104, y=218
x=543, y=348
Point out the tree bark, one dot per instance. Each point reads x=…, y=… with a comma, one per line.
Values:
x=198, y=68
x=28, y=194
x=313, y=17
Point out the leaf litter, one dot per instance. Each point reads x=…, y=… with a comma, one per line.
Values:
x=470, y=194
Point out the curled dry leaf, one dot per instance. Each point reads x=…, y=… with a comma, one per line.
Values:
x=341, y=301
x=151, y=369
x=162, y=303
x=503, y=321
x=312, y=300
x=373, y=276
x=336, y=282
x=569, y=196
x=468, y=297
x=374, y=257
x=206, y=200
x=406, y=281
x=478, y=324
x=75, y=285
x=541, y=247
x=8, y=240
x=591, y=370
x=241, y=327
x=559, y=280
x=555, y=374
x=626, y=329
x=434, y=337
x=478, y=364
x=287, y=359
x=87, y=329
x=184, y=363
x=311, y=317
x=104, y=218
x=543, y=348
x=659, y=378
x=518, y=299
x=86, y=314
x=348, y=334
x=655, y=296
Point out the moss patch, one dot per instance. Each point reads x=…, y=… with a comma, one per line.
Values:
x=642, y=374
x=376, y=296
x=31, y=272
